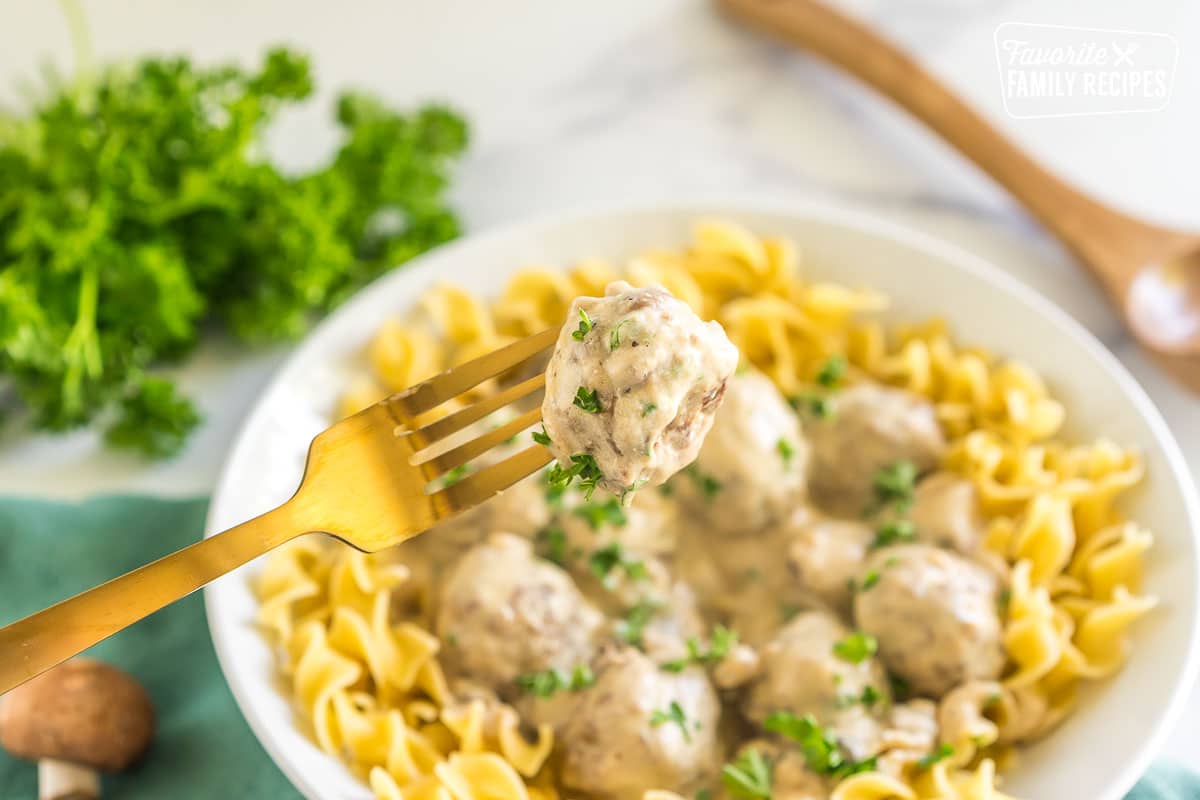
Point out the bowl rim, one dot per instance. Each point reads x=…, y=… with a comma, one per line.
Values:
x=836, y=213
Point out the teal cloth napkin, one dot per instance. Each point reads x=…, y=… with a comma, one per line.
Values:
x=203, y=748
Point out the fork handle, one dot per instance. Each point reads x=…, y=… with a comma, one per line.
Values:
x=40, y=641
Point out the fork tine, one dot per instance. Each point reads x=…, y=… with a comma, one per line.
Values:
x=453, y=382
x=474, y=489
x=436, y=431
x=465, y=452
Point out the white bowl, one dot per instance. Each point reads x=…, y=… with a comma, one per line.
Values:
x=1100, y=751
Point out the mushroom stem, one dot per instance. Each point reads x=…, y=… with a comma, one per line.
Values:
x=61, y=780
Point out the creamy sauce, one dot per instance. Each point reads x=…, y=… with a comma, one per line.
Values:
x=830, y=606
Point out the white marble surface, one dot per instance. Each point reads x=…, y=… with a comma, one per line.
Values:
x=580, y=105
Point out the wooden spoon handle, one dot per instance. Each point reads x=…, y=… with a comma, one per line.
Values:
x=1109, y=243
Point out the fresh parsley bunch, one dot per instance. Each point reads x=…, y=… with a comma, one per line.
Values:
x=137, y=209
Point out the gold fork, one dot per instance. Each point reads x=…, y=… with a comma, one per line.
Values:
x=364, y=483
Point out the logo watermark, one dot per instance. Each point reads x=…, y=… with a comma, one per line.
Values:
x=1062, y=71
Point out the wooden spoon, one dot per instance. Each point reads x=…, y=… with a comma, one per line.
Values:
x=1152, y=274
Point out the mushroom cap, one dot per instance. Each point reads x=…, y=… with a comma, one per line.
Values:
x=84, y=712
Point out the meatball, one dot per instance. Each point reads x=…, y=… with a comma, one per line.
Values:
x=751, y=470
x=801, y=672
x=946, y=513
x=638, y=727
x=826, y=554
x=514, y=614
x=870, y=428
x=634, y=382
x=934, y=616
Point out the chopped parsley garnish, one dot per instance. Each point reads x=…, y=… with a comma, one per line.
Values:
x=894, y=485
x=551, y=544
x=631, y=628
x=943, y=752
x=856, y=648
x=869, y=580
x=900, y=688
x=600, y=514
x=786, y=451
x=820, y=749
x=817, y=405
x=541, y=437
x=709, y=486
x=748, y=777
x=614, y=339
x=583, y=466
x=673, y=714
x=589, y=401
x=551, y=681
x=666, y=489
x=1003, y=600
x=893, y=532
x=602, y=562
x=719, y=645
x=869, y=697
x=703, y=794
x=455, y=475
x=832, y=371
x=585, y=326
x=648, y=409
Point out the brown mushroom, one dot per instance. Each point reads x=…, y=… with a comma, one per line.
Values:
x=79, y=717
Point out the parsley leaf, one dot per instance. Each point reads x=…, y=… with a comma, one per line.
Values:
x=832, y=371
x=786, y=451
x=583, y=466
x=943, y=751
x=817, y=405
x=709, y=486
x=455, y=475
x=856, y=647
x=551, y=544
x=648, y=409
x=549, y=682
x=633, y=625
x=720, y=643
x=820, y=748
x=894, y=532
x=603, y=561
x=137, y=212
x=748, y=777
x=585, y=326
x=674, y=714
x=894, y=484
x=541, y=437
x=614, y=339
x=869, y=580
x=600, y=514
x=589, y=401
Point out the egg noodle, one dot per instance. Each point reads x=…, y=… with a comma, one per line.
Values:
x=364, y=672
